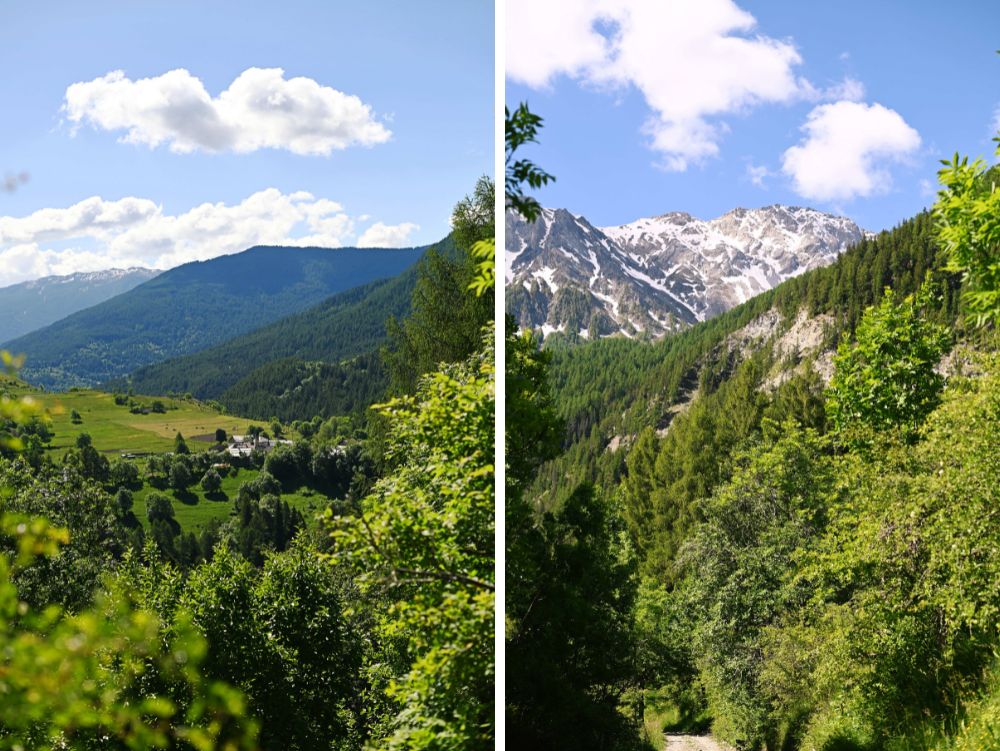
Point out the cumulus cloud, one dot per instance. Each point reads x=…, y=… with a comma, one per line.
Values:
x=846, y=150
x=386, y=235
x=260, y=109
x=97, y=234
x=693, y=61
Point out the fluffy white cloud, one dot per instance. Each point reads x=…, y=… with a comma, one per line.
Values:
x=692, y=60
x=260, y=109
x=386, y=235
x=845, y=151
x=98, y=234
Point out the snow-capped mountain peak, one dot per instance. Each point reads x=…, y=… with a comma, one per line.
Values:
x=661, y=273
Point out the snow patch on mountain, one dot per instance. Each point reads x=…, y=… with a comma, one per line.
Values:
x=659, y=274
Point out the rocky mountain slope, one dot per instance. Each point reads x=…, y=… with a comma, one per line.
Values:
x=31, y=305
x=659, y=274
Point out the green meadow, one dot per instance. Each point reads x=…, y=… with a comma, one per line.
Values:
x=193, y=509
x=114, y=429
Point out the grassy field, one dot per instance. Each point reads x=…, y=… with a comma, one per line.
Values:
x=115, y=430
x=194, y=510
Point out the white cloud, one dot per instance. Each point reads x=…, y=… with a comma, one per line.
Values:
x=849, y=89
x=845, y=151
x=756, y=174
x=260, y=109
x=386, y=235
x=693, y=61
x=98, y=234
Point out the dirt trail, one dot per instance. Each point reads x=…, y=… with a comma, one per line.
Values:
x=694, y=743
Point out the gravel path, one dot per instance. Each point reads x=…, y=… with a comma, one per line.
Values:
x=694, y=743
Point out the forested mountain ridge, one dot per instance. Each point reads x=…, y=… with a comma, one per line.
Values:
x=660, y=274
x=321, y=361
x=346, y=324
x=31, y=305
x=195, y=306
x=616, y=387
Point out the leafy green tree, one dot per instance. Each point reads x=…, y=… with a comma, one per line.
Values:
x=569, y=647
x=473, y=218
x=968, y=218
x=220, y=435
x=211, y=482
x=423, y=540
x=75, y=417
x=887, y=379
x=123, y=500
x=534, y=432
x=736, y=564
x=159, y=508
x=180, y=475
x=90, y=462
x=67, y=499
x=281, y=633
x=124, y=474
x=180, y=445
x=446, y=322
x=265, y=484
x=521, y=127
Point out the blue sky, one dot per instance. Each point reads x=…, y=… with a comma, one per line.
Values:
x=883, y=89
x=392, y=127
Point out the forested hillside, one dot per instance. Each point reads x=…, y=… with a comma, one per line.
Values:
x=616, y=387
x=195, y=306
x=295, y=389
x=778, y=526
x=340, y=356
x=346, y=324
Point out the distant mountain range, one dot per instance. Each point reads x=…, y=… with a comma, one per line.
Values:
x=195, y=306
x=344, y=325
x=32, y=305
x=660, y=274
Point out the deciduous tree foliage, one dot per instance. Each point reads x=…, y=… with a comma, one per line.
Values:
x=446, y=322
x=968, y=215
x=887, y=379
x=423, y=540
x=568, y=648
x=87, y=680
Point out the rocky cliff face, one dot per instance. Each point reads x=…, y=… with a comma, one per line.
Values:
x=659, y=274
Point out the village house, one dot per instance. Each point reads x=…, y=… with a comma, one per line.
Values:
x=240, y=445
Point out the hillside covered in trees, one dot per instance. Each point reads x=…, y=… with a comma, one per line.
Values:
x=195, y=306
x=778, y=526
x=344, y=325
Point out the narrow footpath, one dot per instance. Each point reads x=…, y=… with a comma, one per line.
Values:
x=694, y=743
